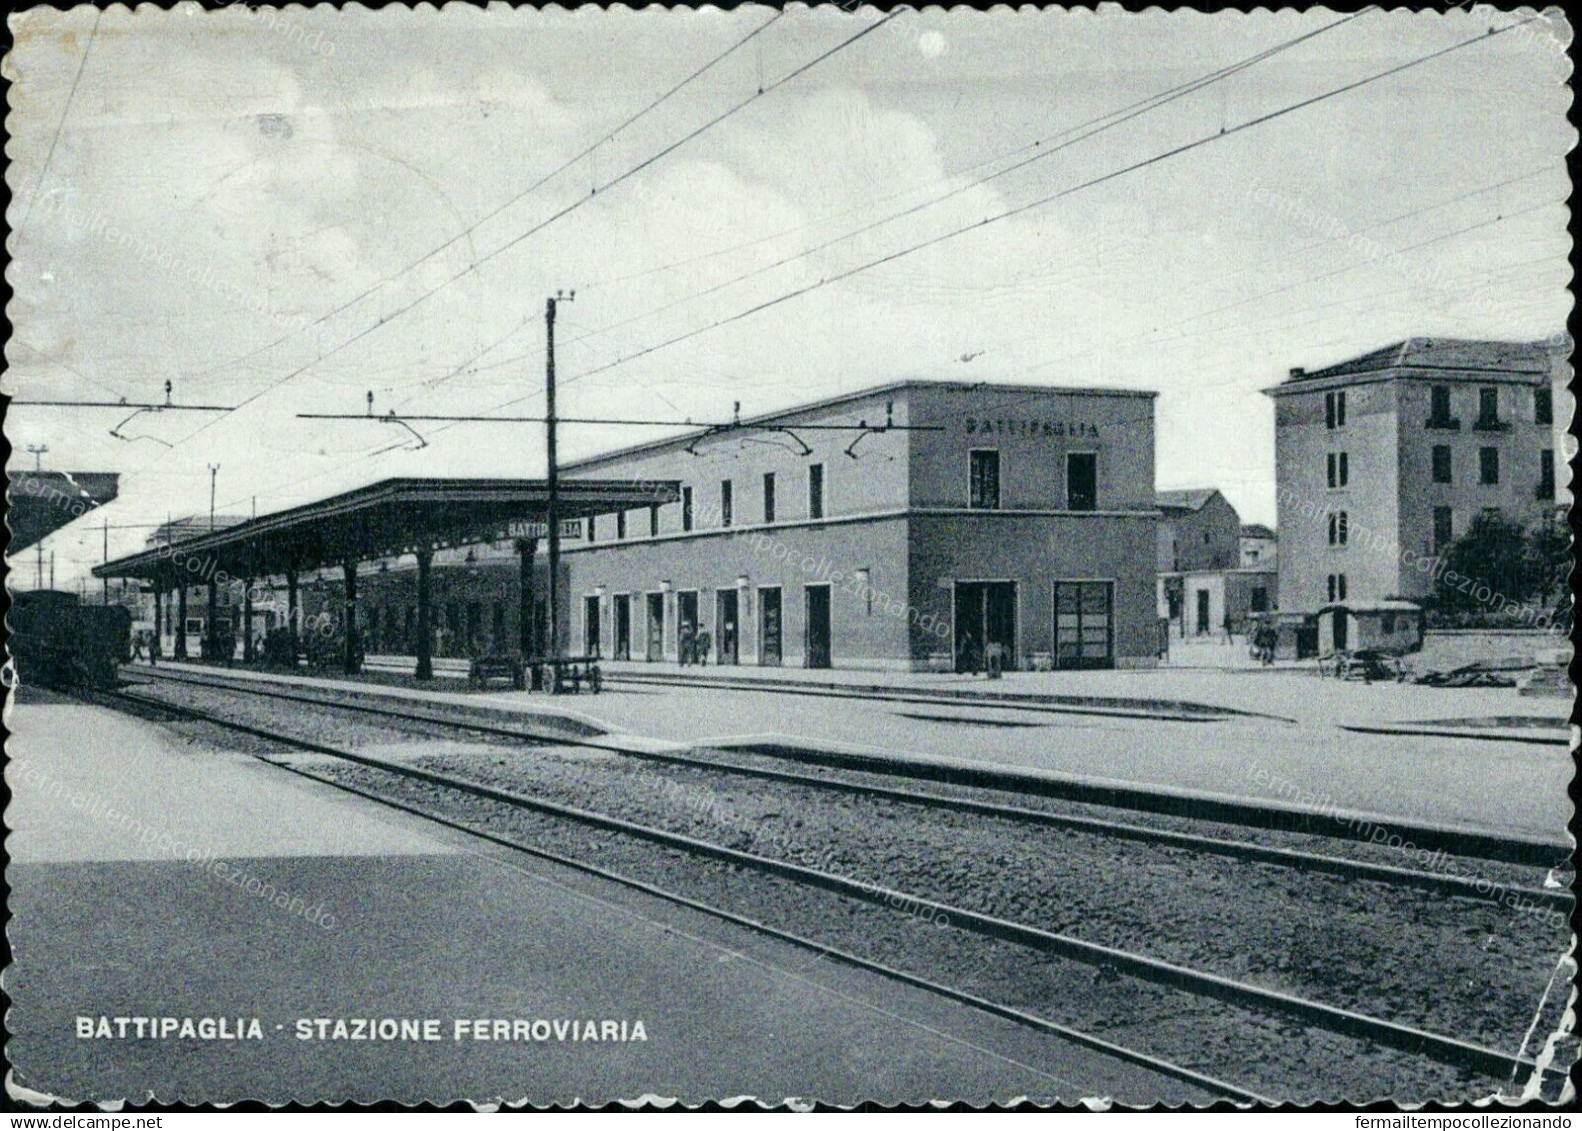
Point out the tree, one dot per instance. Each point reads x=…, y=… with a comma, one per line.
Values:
x=1490, y=566
x=1499, y=572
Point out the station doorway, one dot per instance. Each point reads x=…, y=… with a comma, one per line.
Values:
x=818, y=629
x=656, y=627
x=623, y=627
x=686, y=625
x=985, y=618
x=590, y=626
x=1084, y=624
x=728, y=642
x=769, y=622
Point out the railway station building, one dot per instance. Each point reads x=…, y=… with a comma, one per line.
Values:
x=911, y=526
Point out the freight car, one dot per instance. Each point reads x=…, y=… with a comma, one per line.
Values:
x=56, y=641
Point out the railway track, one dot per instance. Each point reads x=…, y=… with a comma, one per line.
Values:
x=1468, y=887
x=1115, y=962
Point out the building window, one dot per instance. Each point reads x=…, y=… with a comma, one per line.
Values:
x=1488, y=407
x=593, y=533
x=815, y=491
x=1340, y=586
x=1338, y=469
x=1443, y=466
x=1338, y=528
x=1439, y=408
x=1488, y=466
x=686, y=508
x=1082, y=481
x=1331, y=580
x=653, y=521
x=983, y=490
x=620, y=525
x=1335, y=409
x=769, y=496
x=1444, y=527
x=725, y=503
x=1260, y=598
x=1543, y=405
x=1546, y=475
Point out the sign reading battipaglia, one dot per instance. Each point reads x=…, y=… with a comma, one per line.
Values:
x=1049, y=429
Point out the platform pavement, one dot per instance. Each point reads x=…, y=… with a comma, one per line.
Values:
x=1488, y=785
x=411, y=920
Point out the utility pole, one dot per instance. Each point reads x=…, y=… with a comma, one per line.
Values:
x=107, y=560
x=214, y=471
x=38, y=451
x=554, y=481
x=52, y=569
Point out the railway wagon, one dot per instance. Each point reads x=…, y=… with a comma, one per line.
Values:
x=56, y=641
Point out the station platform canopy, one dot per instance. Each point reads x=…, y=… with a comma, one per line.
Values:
x=38, y=503
x=386, y=519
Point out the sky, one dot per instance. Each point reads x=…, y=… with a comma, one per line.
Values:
x=281, y=212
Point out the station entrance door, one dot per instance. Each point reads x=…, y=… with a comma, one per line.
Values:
x=985, y=616
x=818, y=627
x=656, y=626
x=728, y=642
x=1084, y=624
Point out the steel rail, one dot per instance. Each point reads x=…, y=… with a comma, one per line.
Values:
x=1445, y=1049
x=1456, y=885
x=822, y=950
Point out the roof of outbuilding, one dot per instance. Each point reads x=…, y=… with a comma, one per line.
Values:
x=1185, y=499
x=1257, y=530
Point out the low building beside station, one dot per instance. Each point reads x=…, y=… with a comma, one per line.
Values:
x=1208, y=584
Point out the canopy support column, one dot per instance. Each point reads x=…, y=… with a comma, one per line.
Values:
x=159, y=621
x=425, y=630
x=181, y=619
x=527, y=550
x=247, y=621
x=211, y=629
x=293, y=612
x=354, y=663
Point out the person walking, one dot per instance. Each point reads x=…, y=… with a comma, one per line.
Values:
x=685, y=641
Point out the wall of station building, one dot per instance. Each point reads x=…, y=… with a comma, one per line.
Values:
x=861, y=563
x=896, y=534
x=1036, y=553
x=1034, y=432
x=895, y=537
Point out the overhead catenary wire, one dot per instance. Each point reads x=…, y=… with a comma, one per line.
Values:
x=1165, y=155
x=1098, y=126
x=1095, y=126
x=478, y=262
x=587, y=152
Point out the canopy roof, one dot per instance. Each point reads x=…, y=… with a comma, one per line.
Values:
x=38, y=503
x=392, y=517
